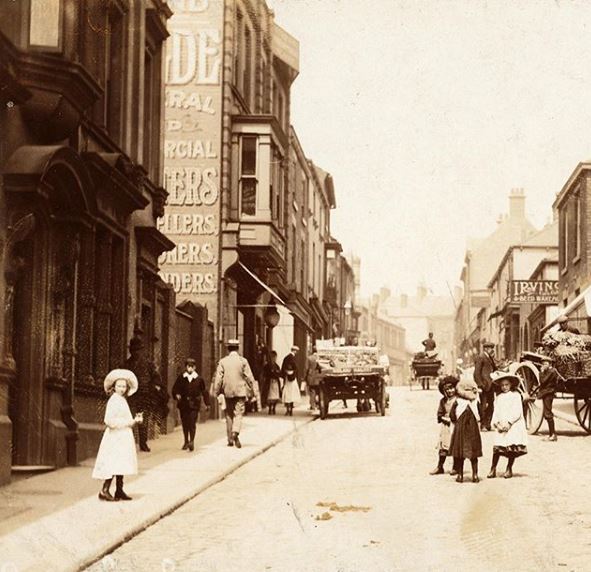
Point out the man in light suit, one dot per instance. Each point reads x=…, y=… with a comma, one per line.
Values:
x=234, y=379
x=484, y=365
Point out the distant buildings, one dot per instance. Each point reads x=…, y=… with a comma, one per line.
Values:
x=421, y=314
x=481, y=261
x=376, y=327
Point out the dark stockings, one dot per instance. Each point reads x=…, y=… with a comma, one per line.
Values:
x=107, y=485
x=119, y=494
x=459, y=467
x=551, y=427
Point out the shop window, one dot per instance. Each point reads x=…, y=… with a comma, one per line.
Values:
x=248, y=180
x=45, y=24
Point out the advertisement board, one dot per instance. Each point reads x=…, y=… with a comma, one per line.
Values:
x=192, y=151
x=534, y=291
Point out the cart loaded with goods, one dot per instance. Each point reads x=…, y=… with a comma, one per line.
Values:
x=351, y=372
x=571, y=356
x=425, y=369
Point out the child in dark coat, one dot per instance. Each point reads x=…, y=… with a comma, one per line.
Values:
x=465, y=440
x=447, y=388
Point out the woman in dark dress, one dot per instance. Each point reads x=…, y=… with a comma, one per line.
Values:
x=465, y=440
x=188, y=390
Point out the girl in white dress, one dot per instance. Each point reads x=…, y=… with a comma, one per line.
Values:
x=117, y=454
x=291, y=391
x=511, y=433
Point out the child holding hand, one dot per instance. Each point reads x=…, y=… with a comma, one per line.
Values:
x=465, y=440
x=447, y=387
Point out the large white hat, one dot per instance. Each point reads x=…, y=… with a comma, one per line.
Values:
x=125, y=374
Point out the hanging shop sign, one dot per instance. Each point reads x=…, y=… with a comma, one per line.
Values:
x=534, y=291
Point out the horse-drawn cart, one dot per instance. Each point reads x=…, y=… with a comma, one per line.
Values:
x=351, y=372
x=425, y=370
x=572, y=385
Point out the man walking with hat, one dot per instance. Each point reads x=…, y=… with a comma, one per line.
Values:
x=484, y=365
x=234, y=379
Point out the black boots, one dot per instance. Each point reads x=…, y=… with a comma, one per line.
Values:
x=438, y=470
x=105, y=494
x=119, y=494
x=236, y=440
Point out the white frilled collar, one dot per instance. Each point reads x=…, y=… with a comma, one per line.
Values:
x=463, y=404
x=191, y=376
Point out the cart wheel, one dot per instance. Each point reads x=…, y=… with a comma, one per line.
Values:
x=528, y=375
x=323, y=404
x=382, y=401
x=583, y=412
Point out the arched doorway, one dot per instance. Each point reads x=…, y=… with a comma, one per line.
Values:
x=48, y=212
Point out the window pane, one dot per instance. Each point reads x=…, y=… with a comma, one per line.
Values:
x=249, y=155
x=249, y=196
x=45, y=23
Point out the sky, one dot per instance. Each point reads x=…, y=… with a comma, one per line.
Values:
x=427, y=113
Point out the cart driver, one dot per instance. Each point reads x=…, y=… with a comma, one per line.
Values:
x=564, y=327
x=546, y=392
x=429, y=343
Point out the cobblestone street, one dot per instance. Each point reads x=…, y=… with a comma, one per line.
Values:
x=353, y=493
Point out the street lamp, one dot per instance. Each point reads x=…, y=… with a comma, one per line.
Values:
x=271, y=315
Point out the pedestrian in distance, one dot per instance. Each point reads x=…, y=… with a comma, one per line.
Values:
x=151, y=397
x=234, y=379
x=465, y=440
x=484, y=365
x=546, y=392
x=312, y=378
x=508, y=422
x=447, y=388
x=188, y=391
x=289, y=373
x=117, y=454
x=273, y=381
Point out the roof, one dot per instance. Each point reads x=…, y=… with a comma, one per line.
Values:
x=484, y=257
x=583, y=166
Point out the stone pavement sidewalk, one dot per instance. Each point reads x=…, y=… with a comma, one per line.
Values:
x=56, y=522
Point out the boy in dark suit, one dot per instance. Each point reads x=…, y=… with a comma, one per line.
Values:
x=188, y=390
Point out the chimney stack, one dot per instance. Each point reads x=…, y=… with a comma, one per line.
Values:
x=517, y=204
x=384, y=294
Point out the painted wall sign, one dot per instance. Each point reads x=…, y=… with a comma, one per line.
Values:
x=192, y=151
x=534, y=291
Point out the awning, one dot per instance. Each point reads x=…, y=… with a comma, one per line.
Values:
x=584, y=296
x=261, y=283
x=293, y=309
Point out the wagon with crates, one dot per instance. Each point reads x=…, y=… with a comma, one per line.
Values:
x=571, y=356
x=351, y=372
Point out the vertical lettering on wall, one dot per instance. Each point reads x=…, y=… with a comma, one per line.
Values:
x=192, y=151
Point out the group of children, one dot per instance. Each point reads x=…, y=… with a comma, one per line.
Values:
x=459, y=417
